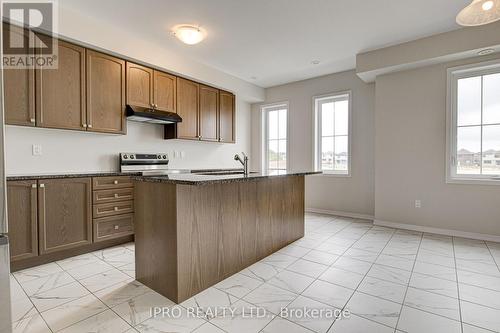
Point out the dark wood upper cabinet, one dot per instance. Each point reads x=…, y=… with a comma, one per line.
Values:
x=187, y=108
x=226, y=117
x=64, y=213
x=19, y=85
x=22, y=210
x=139, y=85
x=105, y=93
x=60, y=93
x=209, y=113
x=165, y=91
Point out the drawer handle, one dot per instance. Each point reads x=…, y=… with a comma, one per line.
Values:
x=117, y=195
x=115, y=182
x=116, y=209
x=117, y=227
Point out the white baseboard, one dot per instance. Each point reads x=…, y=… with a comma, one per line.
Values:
x=340, y=213
x=431, y=230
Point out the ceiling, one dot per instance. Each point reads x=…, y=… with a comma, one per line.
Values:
x=272, y=42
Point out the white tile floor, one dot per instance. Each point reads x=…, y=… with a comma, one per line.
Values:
x=390, y=280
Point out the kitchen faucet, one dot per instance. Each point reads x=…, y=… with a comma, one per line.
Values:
x=243, y=161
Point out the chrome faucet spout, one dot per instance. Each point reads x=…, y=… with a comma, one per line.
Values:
x=243, y=161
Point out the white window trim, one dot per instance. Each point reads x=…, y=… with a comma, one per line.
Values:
x=265, y=134
x=453, y=74
x=317, y=134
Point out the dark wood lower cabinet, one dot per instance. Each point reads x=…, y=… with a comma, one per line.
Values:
x=64, y=213
x=22, y=217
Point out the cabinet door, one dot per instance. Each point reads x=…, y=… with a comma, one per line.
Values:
x=187, y=108
x=226, y=117
x=105, y=93
x=60, y=93
x=139, y=85
x=64, y=213
x=165, y=89
x=209, y=107
x=19, y=84
x=22, y=210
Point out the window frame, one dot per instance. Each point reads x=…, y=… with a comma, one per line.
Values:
x=265, y=135
x=317, y=133
x=453, y=75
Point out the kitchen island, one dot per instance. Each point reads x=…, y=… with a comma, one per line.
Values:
x=194, y=230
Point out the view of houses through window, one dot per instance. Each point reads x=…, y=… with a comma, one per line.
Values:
x=276, y=138
x=478, y=125
x=332, y=139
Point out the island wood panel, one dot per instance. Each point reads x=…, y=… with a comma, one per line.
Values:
x=23, y=220
x=218, y=230
x=155, y=232
x=19, y=84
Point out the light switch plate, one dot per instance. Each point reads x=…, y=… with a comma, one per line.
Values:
x=37, y=150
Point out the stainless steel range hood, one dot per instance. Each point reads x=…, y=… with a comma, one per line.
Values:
x=151, y=115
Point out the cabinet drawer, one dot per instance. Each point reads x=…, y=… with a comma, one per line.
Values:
x=113, y=208
x=105, y=183
x=113, y=227
x=114, y=195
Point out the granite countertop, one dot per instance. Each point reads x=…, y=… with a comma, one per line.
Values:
x=60, y=175
x=195, y=178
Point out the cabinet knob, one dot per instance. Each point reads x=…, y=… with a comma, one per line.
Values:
x=116, y=209
x=32, y=120
x=116, y=195
x=42, y=185
x=89, y=125
x=117, y=227
x=84, y=125
x=115, y=182
x=33, y=185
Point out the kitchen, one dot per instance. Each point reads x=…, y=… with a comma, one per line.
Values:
x=152, y=179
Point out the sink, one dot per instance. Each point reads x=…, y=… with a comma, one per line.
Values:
x=222, y=173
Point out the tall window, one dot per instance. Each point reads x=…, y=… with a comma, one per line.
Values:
x=275, y=137
x=474, y=132
x=332, y=113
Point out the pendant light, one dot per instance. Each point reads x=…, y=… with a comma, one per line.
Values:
x=479, y=12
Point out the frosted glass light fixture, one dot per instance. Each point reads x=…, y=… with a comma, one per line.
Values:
x=479, y=12
x=189, y=34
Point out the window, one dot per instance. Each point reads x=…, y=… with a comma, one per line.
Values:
x=275, y=137
x=474, y=123
x=332, y=127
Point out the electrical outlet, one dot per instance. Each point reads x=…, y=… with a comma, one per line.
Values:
x=418, y=204
x=37, y=150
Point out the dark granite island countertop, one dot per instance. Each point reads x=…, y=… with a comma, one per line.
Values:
x=198, y=178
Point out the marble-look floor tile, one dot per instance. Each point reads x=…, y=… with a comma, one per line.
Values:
x=479, y=280
x=33, y=324
x=390, y=274
x=328, y=293
x=57, y=296
x=104, y=322
x=416, y=321
x=84, y=271
x=238, y=285
x=320, y=257
x=16, y=291
x=110, y=252
x=280, y=325
x=177, y=320
x=436, y=259
x=342, y=278
x=332, y=248
x=47, y=282
x=352, y=265
x=437, y=271
x=320, y=323
x=270, y=297
x=480, y=316
x=208, y=328
x=375, y=246
x=363, y=255
x=261, y=271
x=37, y=272
x=128, y=269
x=356, y=324
x=291, y=281
x=396, y=262
x=70, y=313
x=209, y=301
x=487, y=267
x=243, y=319
x=138, y=309
x=121, y=292
x=22, y=308
x=466, y=328
x=486, y=297
x=384, y=289
x=104, y=280
x=279, y=260
x=308, y=268
x=434, y=285
x=434, y=303
x=374, y=308
x=294, y=250
x=81, y=260
x=122, y=259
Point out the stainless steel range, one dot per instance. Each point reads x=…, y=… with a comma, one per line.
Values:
x=147, y=164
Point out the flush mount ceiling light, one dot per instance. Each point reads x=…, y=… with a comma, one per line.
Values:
x=479, y=12
x=189, y=34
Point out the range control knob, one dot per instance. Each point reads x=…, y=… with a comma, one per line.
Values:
x=132, y=157
x=158, y=157
x=164, y=157
x=125, y=157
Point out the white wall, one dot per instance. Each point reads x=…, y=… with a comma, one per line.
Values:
x=65, y=151
x=71, y=151
x=353, y=194
x=410, y=126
